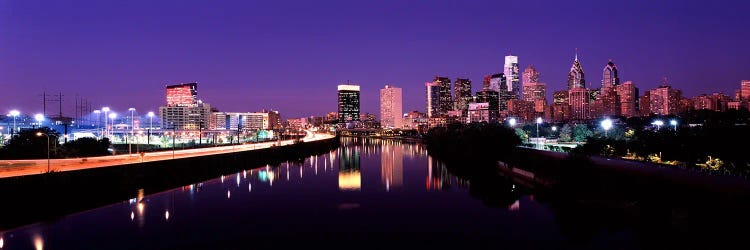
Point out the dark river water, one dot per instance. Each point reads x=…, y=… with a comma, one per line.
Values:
x=366, y=194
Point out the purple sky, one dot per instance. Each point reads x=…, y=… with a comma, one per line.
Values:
x=290, y=55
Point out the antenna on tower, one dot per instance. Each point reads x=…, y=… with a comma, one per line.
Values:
x=576, y=54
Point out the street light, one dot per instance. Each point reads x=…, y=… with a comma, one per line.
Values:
x=512, y=122
x=112, y=116
x=673, y=122
x=554, y=128
x=150, y=125
x=606, y=124
x=14, y=113
x=39, y=119
x=132, y=126
x=538, y=121
x=40, y=134
x=106, y=129
x=658, y=124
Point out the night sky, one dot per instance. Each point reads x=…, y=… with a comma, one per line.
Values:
x=290, y=55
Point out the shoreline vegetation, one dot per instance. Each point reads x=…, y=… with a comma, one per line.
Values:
x=53, y=195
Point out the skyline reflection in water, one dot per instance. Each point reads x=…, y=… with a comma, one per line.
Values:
x=359, y=193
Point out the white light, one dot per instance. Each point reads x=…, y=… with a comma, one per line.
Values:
x=554, y=128
x=14, y=113
x=512, y=122
x=673, y=122
x=132, y=216
x=349, y=87
x=538, y=120
x=166, y=215
x=97, y=111
x=658, y=123
x=131, y=109
x=39, y=117
x=607, y=124
x=105, y=109
x=150, y=114
x=112, y=115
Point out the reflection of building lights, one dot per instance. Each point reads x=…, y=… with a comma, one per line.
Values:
x=140, y=209
x=2, y=242
x=38, y=242
x=229, y=194
x=249, y=187
x=515, y=206
x=166, y=215
x=350, y=180
x=132, y=215
x=238, y=179
x=140, y=195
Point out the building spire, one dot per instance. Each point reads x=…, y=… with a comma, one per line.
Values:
x=576, y=54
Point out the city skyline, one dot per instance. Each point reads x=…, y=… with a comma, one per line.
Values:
x=100, y=58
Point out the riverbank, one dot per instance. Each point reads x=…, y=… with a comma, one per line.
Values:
x=39, y=197
x=399, y=138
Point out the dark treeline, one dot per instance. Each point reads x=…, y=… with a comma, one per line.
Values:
x=33, y=144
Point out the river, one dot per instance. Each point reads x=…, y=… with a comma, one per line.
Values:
x=368, y=193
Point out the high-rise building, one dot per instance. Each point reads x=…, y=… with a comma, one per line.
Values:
x=745, y=90
x=579, y=103
x=245, y=121
x=433, y=99
x=609, y=77
x=486, y=82
x=523, y=110
x=628, y=94
x=446, y=100
x=479, y=112
x=348, y=103
x=391, y=113
x=664, y=100
x=490, y=97
x=185, y=94
x=184, y=111
x=644, y=104
x=529, y=81
x=462, y=94
x=510, y=69
x=575, y=76
x=498, y=82
x=561, y=97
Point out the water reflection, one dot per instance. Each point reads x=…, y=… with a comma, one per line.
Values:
x=349, y=169
x=392, y=165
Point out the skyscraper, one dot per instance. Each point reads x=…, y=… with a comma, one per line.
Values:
x=391, y=113
x=628, y=94
x=348, y=103
x=579, y=103
x=433, y=99
x=575, y=77
x=609, y=77
x=184, y=110
x=490, y=97
x=498, y=83
x=446, y=100
x=462, y=94
x=510, y=69
x=745, y=90
x=664, y=100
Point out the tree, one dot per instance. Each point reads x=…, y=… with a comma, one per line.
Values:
x=581, y=132
x=566, y=133
x=86, y=147
x=28, y=145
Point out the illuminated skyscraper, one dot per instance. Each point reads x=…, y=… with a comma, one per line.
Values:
x=348, y=103
x=609, y=77
x=579, y=103
x=575, y=76
x=462, y=94
x=745, y=90
x=446, y=100
x=664, y=100
x=490, y=97
x=391, y=113
x=510, y=69
x=628, y=95
x=184, y=111
x=433, y=99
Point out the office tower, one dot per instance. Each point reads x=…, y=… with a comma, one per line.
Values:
x=498, y=83
x=184, y=111
x=446, y=100
x=579, y=103
x=490, y=97
x=560, y=109
x=530, y=78
x=745, y=90
x=348, y=103
x=510, y=69
x=628, y=94
x=433, y=99
x=664, y=100
x=462, y=94
x=609, y=76
x=391, y=113
x=575, y=76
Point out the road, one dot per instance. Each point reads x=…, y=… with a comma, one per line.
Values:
x=12, y=168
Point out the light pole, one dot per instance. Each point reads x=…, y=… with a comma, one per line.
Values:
x=106, y=129
x=150, y=125
x=538, y=121
x=112, y=116
x=132, y=126
x=673, y=122
x=14, y=113
x=45, y=134
x=658, y=124
x=98, y=118
x=512, y=122
x=606, y=124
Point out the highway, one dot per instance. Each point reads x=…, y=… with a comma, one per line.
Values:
x=13, y=168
